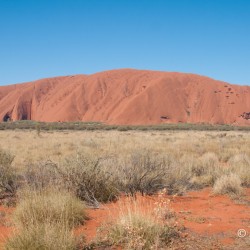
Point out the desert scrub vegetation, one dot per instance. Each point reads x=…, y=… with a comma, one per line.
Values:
x=141, y=172
x=41, y=175
x=228, y=184
x=96, y=166
x=138, y=228
x=83, y=175
x=50, y=126
x=88, y=179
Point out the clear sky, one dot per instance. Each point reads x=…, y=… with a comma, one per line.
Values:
x=44, y=38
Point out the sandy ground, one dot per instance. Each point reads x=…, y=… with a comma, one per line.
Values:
x=201, y=213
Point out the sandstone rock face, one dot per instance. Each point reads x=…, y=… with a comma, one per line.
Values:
x=127, y=97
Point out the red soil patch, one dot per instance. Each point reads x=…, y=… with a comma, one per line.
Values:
x=213, y=215
x=110, y=212
x=199, y=211
x=5, y=226
x=127, y=97
x=96, y=218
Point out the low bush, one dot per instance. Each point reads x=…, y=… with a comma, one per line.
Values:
x=41, y=175
x=143, y=173
x=87, y=178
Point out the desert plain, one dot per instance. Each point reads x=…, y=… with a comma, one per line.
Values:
x=132, y=189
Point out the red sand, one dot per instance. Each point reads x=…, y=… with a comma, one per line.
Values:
x=5, y=224
x=212, y=215
x=199, y=211
x=128, y=97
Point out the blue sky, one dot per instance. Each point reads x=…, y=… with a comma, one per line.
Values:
x=45, y=38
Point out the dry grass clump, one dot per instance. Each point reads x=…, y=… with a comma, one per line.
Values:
x=43, y=237
x=178, y=177
x=6, y=158
x=228, y=184
x=137, y=228
x=240, y=164
x=44, y=219
x=205, y=170
x=240, y=159
x=207, y=163
x=49, y=206
x=135, y=231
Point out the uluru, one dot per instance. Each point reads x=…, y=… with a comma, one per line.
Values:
x=127, y=97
